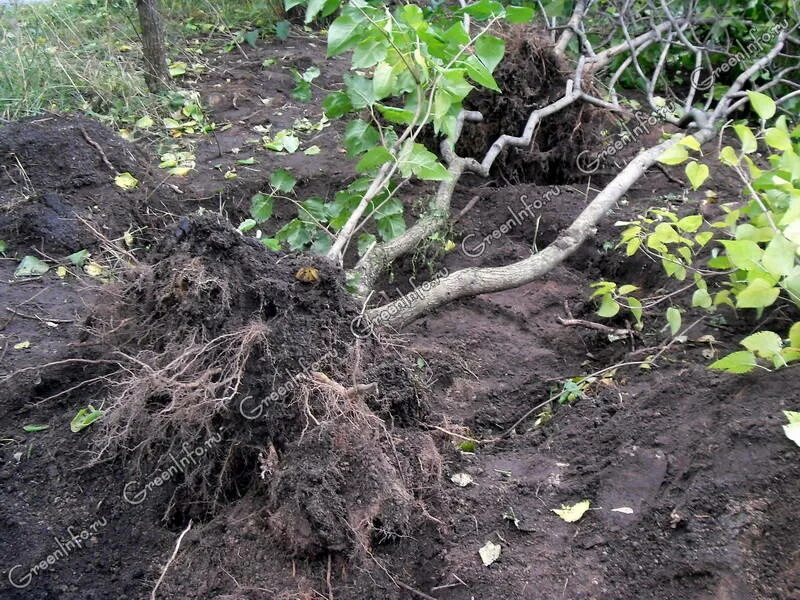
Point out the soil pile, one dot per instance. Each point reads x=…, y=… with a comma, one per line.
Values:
x=530, y=76
x=250, y=356
x=57, y=183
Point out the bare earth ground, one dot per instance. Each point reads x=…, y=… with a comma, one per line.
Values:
x=699, y=457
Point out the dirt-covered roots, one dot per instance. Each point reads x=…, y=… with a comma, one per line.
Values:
x=223, y=349
x=530, y=77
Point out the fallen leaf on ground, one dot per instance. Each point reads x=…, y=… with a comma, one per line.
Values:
x=572, y=513
x=489, y=552
x=462, y=479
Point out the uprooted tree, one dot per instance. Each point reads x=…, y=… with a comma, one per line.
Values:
x=416, y=70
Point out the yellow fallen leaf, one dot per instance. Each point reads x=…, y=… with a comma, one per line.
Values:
x=126, y=181
x=489, y=553
x=307, y=274
x=461, y=479
x=128, y=237
x=22, y=345
x=94, y=270
x=61, y=272
x=572, y=513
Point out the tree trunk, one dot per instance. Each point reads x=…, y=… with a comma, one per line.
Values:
x=156, y=74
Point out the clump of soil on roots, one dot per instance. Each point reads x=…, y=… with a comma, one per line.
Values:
x=226, y=354
x=530, y=76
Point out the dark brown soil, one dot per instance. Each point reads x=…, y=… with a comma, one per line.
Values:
x=530, y=77
x=350, y=497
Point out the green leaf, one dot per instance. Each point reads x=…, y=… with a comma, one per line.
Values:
x=295, y=233
x=3, y=247
x=390, y=227
x=727, y=156
x=691, y=223
x=282, y=29
x=759, y=294
x=360, y=136
x=365, y=241
x=342, y=32
x=690, y=142
x=779, y=256
x=79, y=258
x=778, y=139
x=735, y=362
x=453, y=83
x=126, y=181
x=456, y=34
x=792, y=430
x=418, y=160
x=359, y=91
x=35, y=428
x=84, y=417
x=762, y=104
x=302, y=92
x=635, y=308
x=247, y=225
x=251, y=37
x=282, y=180
x=697, y=173
x=312, y=9
x=674, y=320
x=383, y=80
x=489, y=49
x=765, y=344
x=393, y=114
x=478, y=72
x=483, y=10
x=369, y=53
x=336, y=104
x=321, y=244
x=701, y=298
x=749, y=142
x=30, y=266
x=743, y=254
x=674, y=155
x=312, y=150
x=519, y=14
x=608, y=306
x=284, y=140
x=312, y=210
x=271, y=243
x=794, y=335
x=374, y=158
x=145, y=122
x=261, y=206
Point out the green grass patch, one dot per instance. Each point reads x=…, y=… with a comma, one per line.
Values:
x=85, y=55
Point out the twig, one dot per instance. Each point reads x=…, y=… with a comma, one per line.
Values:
x=328, y=579
x=466, y=209
x=596, y=326
x=37, y=317
x=97, y=147
x=667, y=174
x=171, y=558
x=414, y=591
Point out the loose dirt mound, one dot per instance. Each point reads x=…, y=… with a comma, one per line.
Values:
x=53, y=173
x=250, y=357
x=530, y=77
